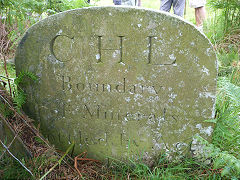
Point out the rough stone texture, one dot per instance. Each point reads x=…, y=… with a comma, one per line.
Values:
x=14, y=144
x=119, y=81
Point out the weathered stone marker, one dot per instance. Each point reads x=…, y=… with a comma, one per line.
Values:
x=119, y=81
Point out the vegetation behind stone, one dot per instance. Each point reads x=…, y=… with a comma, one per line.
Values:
x=223, y=30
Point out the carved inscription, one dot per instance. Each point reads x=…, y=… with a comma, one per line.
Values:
x=112, y=44
x=101, y=48
x=68, y=40
x=150, y=49
x=100, y=113
x=87, y=140
x=121, y=87
x=118, y=81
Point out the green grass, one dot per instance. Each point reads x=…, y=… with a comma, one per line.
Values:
x=10, y=69
x=226, y=139
x=11, y=74
x=187, y=168
x=155, y=4
x=11, y=169
x=225, y=147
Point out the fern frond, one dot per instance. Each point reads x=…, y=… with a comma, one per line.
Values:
x=221, y=159
x=24, y=74
x=227, y=130
x=20, y=97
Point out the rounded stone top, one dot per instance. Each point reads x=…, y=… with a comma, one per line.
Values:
x=119, y=81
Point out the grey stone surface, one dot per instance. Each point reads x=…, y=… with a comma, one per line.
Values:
x=119, y=81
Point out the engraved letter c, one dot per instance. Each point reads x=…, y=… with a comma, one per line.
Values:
x=52, y=46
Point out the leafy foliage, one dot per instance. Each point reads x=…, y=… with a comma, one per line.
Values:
x=224, y=160
x=230, y=10
x=10, y=169
x=227, y=58
x=227, y=132
x=4, y=110
x=223, y=31
x=23, y=9
x=225, y=147
x=63, y=5
x=18, y=15
x=19, y=97
x=24, y=74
